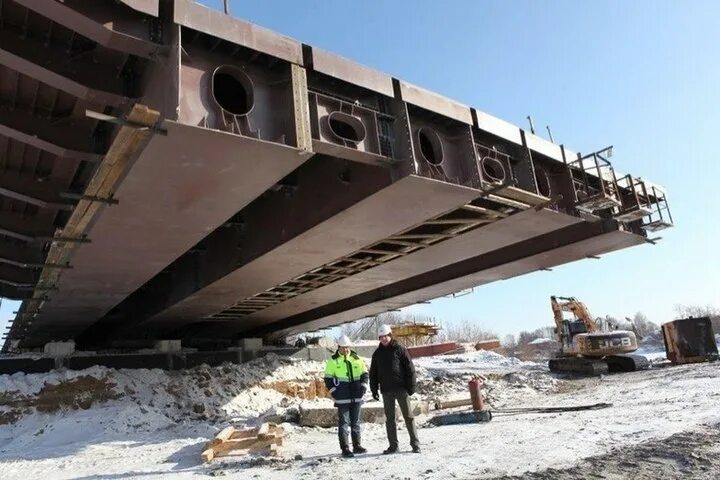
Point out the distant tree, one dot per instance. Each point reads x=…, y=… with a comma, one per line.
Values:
x=684, y=311
x=525, y=337
x=466, y=331
x=509, y=341
x=642, y=326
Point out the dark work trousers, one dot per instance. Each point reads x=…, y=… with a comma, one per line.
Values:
x=402, y=398
x=349, y=420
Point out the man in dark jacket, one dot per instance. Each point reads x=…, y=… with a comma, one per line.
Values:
x=393, y=371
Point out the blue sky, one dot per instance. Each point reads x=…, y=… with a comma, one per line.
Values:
x=643, y=76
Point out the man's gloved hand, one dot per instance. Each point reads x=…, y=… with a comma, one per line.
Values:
x=375, y=396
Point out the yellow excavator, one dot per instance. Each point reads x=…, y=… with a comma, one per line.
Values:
x=587, y=347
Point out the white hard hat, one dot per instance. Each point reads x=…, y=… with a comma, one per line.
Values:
x=384, y=330
x=344, y=341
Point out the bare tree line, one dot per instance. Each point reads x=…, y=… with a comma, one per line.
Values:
x=469, y=331
x=465, y=331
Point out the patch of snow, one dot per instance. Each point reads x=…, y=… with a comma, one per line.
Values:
x=152, y=431
x=31, y=384
x=473, y=362
x=540, y=341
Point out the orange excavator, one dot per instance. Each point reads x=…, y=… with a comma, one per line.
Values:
x=587, y=348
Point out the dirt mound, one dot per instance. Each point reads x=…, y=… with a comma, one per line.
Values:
x=74, y=394
x=306, y=390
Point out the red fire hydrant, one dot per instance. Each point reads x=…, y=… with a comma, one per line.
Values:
x=478, y=402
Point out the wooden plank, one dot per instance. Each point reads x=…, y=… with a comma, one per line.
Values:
x=266, y=439
x=225, y=434
x=119, y=158
x=207, y=455
x=523, y=196
x=508, y=202
x=263, y=430
x=303, y=135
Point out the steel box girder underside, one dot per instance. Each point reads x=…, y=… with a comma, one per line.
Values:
x=490, y=237
x=573, y=243
x=510, y=230
x=398, y=206
x=167, y=203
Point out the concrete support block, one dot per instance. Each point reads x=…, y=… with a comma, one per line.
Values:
x=371, y=412
x=59, y=349
x=327, y=342
x=250, y=347
x=168, y=346
x=250, y=344
x=213, y=359
x=14, y=346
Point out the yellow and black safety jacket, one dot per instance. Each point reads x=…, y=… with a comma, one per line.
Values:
x=346, y=378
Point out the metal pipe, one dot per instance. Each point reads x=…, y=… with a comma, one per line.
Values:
x=550, y=133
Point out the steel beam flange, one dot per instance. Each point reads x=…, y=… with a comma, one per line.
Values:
x=89, y=198
x=63, y=239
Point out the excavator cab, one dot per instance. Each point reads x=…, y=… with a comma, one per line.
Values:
x=577, y=326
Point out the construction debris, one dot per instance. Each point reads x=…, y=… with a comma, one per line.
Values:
x=455, y=418
x=491, y=344
x=413, y=334
x=264, y=440
x=690, y=340
x=454, y=403
x=371, y=412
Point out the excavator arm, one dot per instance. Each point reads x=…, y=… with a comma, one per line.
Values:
x=574, y=306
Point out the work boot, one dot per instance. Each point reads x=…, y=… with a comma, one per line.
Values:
x=344, y=446
x=357, y=444
x=416, y=449
x=390, y=450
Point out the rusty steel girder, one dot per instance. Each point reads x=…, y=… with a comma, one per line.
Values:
x=570, y=244
x=282, y=187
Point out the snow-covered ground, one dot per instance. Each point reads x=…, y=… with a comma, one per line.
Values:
x=152, y=424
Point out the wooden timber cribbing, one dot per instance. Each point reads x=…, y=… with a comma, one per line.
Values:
x=264, y=440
